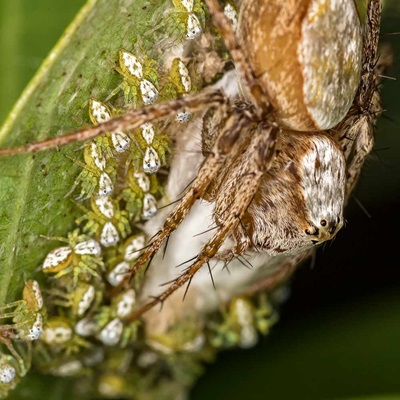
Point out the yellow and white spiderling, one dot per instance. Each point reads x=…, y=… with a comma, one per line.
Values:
x=151, y=160
x=28, y=315
x=131, y=250
x=79, y=300
x=82, y=258
x=187, y=14
x=140, y=80
x=9, y=374
x=111, y=334
x=99, y=112
x=140, y=197
x=107, y=223
x=182, y=85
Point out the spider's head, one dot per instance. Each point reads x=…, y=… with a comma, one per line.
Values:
x=323, y=186
x=307, y=55
x=325, y=230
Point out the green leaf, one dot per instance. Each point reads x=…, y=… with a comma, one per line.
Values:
x=33, y=187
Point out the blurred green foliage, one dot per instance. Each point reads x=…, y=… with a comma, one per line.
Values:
x=28, y=31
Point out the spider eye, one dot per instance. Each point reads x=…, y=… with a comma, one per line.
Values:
x=308, y=232
x=323, y=222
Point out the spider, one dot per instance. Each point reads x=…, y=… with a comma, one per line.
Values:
x=280, y=160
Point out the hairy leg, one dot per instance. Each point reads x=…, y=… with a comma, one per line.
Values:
x=263, y=148
x=128, y=121
x=244, y=70
x=370, y=55
x=223, y=146
x=357, y=130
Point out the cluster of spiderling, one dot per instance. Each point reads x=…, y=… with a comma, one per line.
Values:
x=83, y=329
x=117, y=188
x=86, y=336
x=242, y=321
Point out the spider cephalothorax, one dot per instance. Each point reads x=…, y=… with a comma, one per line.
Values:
x=299, y=202
x=275, y=188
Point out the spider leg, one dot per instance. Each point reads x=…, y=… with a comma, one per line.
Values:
x=263, y=146
x=243, y=68
x=5, y=338
x=11, y=305
x=358, y=139
x=129, y=121
x=23, y=364
x=363, y=133
x=223, y=146
x=242, y=242
x=8, y=315
x=370, y=54
x=7, y=329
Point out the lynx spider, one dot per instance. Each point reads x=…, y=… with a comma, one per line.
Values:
x=354, y=134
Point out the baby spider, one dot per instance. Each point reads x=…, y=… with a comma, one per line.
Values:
x=111, y=320
x=121, y=265
x=179, y=84
x=60, y=336
x=97, y=175
x=140, y=78
x=12, y=369
x=302, y=66
x=185, y=21
x=82, y=258
x=99, y=112
x=84, y=297
x=139, y=196
x=153, y=148
x=242, y=321
x=28, y=316
x=8, y=374
x=106, y=222
x=186, y=337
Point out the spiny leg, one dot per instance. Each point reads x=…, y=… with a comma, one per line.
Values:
x=212, y=164
x=128, y=121
x=358, y=138
x=359, y=131
x=263, y=144
x=244, y=70
x=370, y=55
x=24, y=362
x=363, y=132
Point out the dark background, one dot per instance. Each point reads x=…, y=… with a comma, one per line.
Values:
x=339, y=333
